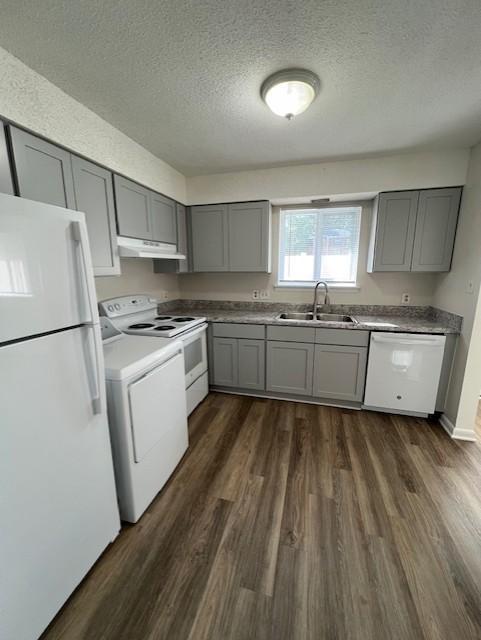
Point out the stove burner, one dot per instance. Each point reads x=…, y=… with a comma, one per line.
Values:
x=183, y=319
x=163, y=318
x=141, y=325
x=164, y=327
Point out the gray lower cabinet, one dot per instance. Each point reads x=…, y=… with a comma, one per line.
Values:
x=339, y=372
x=289, y=367
x=225, y=360
x=239, y=362
x=43, y=170
x=94, y=196
x=210, y=238
x=6, y=182
x=164, y=218
x=251, y=362
x=435, y=229
x=249, y=236
x=133, y=209
x=414, y=230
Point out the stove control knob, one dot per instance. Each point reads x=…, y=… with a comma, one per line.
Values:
x=110, y=307
x=117, y=307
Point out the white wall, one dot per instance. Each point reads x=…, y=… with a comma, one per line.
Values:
x=451, y=293
x=138, y=277
x=35, y=103
x=375, y=288
x=32, y=101
x=365, y=175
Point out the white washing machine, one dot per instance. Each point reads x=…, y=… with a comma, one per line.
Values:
x=147, y=414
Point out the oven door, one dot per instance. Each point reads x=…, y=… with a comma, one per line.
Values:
x=195, y=354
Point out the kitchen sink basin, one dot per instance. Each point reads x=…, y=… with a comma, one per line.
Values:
x=296, y=316
x=320, y=317
x=334, y=317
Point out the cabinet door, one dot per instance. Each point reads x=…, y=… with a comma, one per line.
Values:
x=249, y=236
x=6, y=183
x=182, y=239
x=210, y=238
x=394, y=231
x=164, y=223
x=94, y=196
x=289, y=367
x=44, y=171
x=339, y=372
x=435, y=229
x=251, y=356
x=225, y=362
x=133, y=209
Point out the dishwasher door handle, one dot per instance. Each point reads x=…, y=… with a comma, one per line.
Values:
x=433, y=341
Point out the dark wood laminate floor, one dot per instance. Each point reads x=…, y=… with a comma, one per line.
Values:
x=297, y=522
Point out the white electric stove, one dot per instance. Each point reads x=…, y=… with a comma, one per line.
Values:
x=137, y=315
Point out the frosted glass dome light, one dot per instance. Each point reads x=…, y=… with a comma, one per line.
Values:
x=288, y=93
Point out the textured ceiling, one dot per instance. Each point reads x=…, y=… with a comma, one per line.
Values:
x=182, y=77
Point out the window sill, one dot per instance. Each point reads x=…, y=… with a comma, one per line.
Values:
x=311, y=285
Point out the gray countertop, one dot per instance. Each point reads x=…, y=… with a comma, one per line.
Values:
x=400, y=324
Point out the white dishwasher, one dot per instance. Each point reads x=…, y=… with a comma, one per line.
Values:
x=403, y=372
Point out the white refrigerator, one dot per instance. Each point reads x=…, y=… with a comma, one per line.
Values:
x=58, y=506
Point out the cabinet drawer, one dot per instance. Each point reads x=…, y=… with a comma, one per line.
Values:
x=342, y=337
x=291, y=334
x=238, y=330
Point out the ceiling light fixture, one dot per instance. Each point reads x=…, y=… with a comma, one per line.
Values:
x=289, y=92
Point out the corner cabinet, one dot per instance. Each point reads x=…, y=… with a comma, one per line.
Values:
x=414, y=230
x=238, y=356
x=231, y=237
x=6, y=182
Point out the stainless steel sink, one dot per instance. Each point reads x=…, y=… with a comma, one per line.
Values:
x=320, y=317
x=296, y=316
x=335, y=317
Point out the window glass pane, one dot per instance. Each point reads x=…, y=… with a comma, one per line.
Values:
x=319, y=244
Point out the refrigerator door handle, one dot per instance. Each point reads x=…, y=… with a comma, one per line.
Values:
x=80, y=235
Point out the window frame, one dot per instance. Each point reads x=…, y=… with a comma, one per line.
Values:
x=305, y=284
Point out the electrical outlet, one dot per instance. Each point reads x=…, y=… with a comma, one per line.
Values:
x=265, y=294
x=470, y=286
x=405, y=298
x=255, y=294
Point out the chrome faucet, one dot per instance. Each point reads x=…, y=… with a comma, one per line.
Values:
x=327, y=300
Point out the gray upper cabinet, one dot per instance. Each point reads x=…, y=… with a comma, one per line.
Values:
x=94, y=196
x=249, y=236
x=43, y=170
x=339, y=372
x=6, y=183
x=289, y=367
x=436, y=229
x=231, y=237
x=414, y=230
x=164, y=218
x=394, y=225
x=210, y=238
x=133, y=209
x=182, y=239
x=251, y=361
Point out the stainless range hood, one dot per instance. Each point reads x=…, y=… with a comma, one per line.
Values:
x=135, y=248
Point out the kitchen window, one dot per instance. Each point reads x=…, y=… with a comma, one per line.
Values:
x=319, y=244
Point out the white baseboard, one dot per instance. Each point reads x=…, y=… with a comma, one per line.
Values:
x=456, y=433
